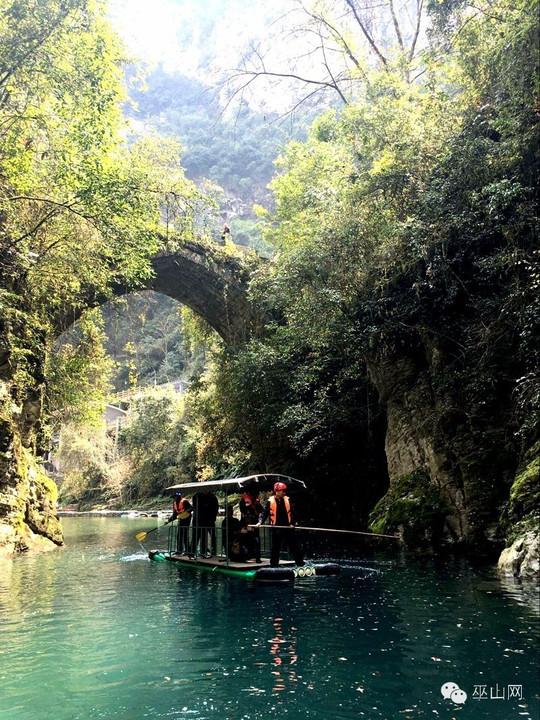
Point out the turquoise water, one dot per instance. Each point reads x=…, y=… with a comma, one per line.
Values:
x=96, y=630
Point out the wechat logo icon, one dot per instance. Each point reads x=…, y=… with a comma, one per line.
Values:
x=452, y=692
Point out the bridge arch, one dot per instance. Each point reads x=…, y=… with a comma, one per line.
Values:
x=210, y=282
x=203, y=277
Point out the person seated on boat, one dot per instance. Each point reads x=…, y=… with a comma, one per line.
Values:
x=205, y=510
x=250, y=510
x=281, y=513
x=232, y=537
x=181, y=510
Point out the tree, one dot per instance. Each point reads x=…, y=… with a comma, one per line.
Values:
x=337, y=46
x=79, y=210
x=408, y=270
x=159, y=416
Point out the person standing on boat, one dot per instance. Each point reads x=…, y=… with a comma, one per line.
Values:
x=250, y=510
x=205, y=509
x=182, y=511
x=281, y=513
x=212, y=508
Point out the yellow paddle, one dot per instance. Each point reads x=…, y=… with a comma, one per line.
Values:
x=142, y=535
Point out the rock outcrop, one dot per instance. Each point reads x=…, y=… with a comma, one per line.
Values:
x=28, y=519
x=459, y=454
x=416, y=443
x=522, y=558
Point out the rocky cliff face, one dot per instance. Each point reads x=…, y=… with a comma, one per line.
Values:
x=452, y=467
x=28, y=517
x=416, y=446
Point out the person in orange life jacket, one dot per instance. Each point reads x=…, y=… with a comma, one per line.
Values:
x=281, y=514
x=182, y=511
x=250, y=510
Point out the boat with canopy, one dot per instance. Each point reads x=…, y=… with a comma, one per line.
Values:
x=185, y=548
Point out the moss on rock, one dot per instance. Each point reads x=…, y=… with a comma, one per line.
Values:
x=28, y=518
x=523, y=512
x=415, y=507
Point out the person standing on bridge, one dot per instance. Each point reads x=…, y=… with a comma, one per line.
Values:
x=226, y=237
x=281, y=513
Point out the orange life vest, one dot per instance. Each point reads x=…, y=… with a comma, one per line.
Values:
x=179, y=506
x=273, y=508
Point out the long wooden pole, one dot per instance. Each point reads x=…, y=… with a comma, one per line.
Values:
x=333, y=530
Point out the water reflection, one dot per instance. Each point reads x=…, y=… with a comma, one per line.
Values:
x=284, y=656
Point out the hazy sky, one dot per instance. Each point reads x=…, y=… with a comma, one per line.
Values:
x=206, y=39
x=185, y=33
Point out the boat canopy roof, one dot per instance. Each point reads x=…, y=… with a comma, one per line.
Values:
x=259, y=483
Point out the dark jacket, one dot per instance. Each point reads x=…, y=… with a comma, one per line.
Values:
x=250, y=512
x=205, y=509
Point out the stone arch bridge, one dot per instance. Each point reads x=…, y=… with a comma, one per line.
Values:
x=212, y=282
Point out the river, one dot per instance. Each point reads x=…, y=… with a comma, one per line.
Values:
x=96, y=630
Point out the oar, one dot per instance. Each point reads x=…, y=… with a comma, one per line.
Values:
x=332, y=530
x=141, y=536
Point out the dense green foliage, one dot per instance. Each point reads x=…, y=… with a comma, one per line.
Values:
x=158, y=463
x=79, y=212
x=398, y=367
x=78, y=209
x=235, y=151
x=408, y=259
x=79, y=372
x=145, y=340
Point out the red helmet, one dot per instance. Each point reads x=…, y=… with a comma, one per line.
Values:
x=279, y=486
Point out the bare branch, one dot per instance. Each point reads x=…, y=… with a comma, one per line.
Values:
x=419, y=11
x=337, y=35
x=254, y=74
x=365, y=32
x=396, y=26
x=336, y=86
x=43, y=220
